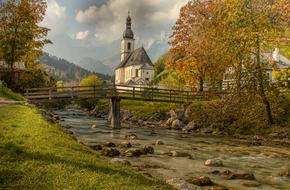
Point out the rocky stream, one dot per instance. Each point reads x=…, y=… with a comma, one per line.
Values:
x=185, y=161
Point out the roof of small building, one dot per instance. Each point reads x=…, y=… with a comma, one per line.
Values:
x=137, y=57
x=16, y=65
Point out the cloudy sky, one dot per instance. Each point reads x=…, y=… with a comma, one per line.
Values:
x=93, y=28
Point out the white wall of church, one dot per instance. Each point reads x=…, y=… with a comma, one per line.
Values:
x=119, y=76
x=147, y=74
x=135, y=72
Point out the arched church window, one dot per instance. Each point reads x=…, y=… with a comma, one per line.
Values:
x=129, y=46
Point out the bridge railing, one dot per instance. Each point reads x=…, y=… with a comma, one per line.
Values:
x=108, y=91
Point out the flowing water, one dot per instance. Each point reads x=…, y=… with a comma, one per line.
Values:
x=265, y=162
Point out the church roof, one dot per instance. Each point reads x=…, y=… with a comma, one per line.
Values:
x=137, y=57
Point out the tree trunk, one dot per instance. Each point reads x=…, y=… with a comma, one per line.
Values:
x=200, y=84
x=261, y=88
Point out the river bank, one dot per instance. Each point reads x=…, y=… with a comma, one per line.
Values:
x=178, y=157
x=37, y=155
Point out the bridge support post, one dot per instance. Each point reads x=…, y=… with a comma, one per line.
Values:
x=114, y=114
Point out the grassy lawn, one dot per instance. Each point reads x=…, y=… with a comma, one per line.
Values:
x=37, y=155
x=147, y=108
x=142, y=108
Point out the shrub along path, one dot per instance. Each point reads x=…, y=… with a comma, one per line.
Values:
x=38, y=155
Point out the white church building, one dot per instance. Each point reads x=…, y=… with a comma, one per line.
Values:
x=135, y=68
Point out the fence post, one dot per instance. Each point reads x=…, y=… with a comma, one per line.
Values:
x=152, y=93
x=94, y=91
x=72, y=92
x=134, y=92
x=49, y=94
x=26, y=94
x=187, y=94
x=169, y=95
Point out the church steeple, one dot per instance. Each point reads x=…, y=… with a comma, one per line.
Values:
x=128, y=33
x=127, y=44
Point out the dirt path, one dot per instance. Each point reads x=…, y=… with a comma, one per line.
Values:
x=6, y=101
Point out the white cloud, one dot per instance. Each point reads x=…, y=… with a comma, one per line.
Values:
x=82, y=35
x=152, y=19
x=55, y=17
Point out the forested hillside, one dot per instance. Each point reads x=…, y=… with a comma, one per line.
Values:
x=61, y=69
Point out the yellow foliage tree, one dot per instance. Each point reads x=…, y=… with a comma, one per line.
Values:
x=92, y=80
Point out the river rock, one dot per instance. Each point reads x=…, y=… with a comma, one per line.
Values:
x=138, y=152
x=97, y=147
x=250, y=184
x=207, y=130
x=131, y=137
x=242, y=176
x=159, y=142
x=172, y=114
x=133, y=153
x=214, y=162
x=191, y=126
x=125, y=145
x=169, y=121
x=181, y=184
x=188, y=113
x=219, y=172
x=94, y=126
x=120, y=161
x=176, y=124
x=148, y=150
x=110, y=144
x=175, y=153
x=201, y=181
x=110, y=152
x=285, y=173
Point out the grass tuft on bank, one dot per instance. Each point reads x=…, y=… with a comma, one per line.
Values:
x=38, y=155
x=9, y=94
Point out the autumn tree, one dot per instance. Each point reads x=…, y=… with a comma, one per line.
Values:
x=92, y=80
x=192, y=38
x=21, y=37
x=220, y=35
x=250, y=27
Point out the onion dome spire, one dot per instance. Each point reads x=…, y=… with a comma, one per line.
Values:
x=128, y=33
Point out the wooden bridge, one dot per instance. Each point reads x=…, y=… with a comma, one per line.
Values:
x=113, y=92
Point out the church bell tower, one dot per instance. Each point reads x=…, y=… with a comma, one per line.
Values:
x=127, y=43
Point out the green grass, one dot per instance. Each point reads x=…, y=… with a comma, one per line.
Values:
x=145, y=108
x=141, y=108
x=9, y=94
x=38, y=155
